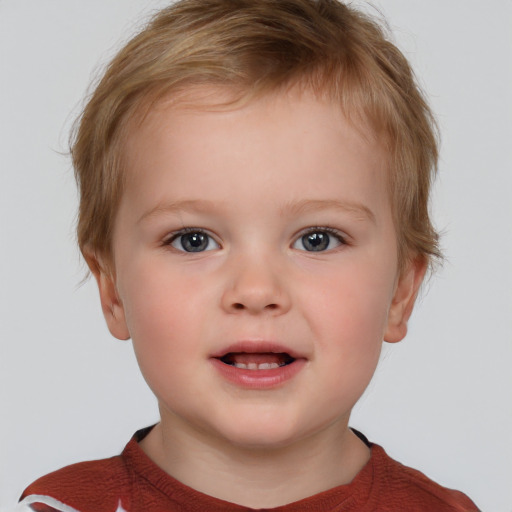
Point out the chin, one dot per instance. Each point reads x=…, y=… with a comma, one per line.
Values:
x=262, y=441
x=257, y=433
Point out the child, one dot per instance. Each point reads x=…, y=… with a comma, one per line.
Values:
x=254, y=181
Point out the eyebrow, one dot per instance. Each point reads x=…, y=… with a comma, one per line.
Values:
x=360, y=211
x=195, y=205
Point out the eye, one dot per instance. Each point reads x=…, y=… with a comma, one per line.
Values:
x=193, y=240
x=318, y=240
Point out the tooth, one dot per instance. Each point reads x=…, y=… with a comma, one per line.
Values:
x=256, y=366
x=268, y=366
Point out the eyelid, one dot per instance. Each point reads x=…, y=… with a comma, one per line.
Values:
x=340, y=236
x=171, y=237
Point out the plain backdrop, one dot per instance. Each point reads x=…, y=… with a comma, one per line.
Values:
x=441, y=399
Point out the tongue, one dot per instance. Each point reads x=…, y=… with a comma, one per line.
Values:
x=258, y=358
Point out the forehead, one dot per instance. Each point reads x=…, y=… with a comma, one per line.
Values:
x=197, y=113
x=292, y=141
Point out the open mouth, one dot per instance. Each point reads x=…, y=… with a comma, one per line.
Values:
x=257, y=361
x=258, y=365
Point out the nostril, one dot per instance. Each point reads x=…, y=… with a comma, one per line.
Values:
x=239, y=306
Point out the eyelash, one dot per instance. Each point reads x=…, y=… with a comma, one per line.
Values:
x=185, y=231
x=338, y=236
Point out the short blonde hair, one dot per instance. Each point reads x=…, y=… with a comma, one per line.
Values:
x=256, y=47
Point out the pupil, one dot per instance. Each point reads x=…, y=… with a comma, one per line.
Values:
x=194, y=242
x=316, y=241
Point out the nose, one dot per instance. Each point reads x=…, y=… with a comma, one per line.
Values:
x=255, y=287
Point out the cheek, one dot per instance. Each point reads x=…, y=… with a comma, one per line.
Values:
x=158, y=301
x=162, y=317
x=349, y=339
x=356, y=297
x=348, y=315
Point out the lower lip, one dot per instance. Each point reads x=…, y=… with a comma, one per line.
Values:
x=259, y=379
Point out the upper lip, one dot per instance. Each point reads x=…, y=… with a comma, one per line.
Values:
x=257, y=347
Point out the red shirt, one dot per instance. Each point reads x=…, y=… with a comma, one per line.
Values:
x=133, y=483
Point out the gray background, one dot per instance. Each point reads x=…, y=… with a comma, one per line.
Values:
x=441, y=400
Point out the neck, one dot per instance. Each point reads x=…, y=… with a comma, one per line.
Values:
x=258, y=478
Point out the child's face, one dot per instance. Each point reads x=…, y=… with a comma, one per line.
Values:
x=261, y=237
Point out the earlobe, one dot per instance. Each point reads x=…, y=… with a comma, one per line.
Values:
x=112, y=307
x=403, y=300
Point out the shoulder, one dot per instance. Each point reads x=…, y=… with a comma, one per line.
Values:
x=410, y=489
x=94, y=485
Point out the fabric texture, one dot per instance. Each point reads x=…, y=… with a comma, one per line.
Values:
x=131, y=482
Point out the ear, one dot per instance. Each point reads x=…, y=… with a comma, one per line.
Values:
x=404, y=298
x=111, y=304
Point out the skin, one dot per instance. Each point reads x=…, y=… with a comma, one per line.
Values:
x=256, y=179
